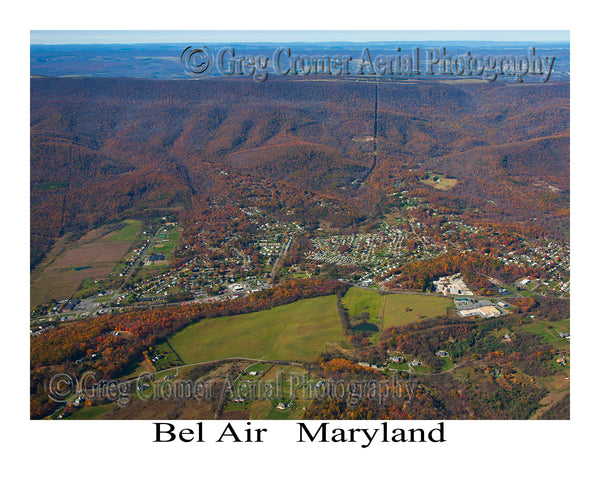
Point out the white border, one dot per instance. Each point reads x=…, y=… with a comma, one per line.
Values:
x=475, y=449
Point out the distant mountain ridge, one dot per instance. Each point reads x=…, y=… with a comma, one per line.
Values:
x=103, y=149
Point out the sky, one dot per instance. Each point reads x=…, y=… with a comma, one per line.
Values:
x=58, y=37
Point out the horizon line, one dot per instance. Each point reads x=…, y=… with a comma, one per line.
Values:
x=147, y=37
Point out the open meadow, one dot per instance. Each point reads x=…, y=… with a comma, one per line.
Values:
x=297, y=331
x=394, y=308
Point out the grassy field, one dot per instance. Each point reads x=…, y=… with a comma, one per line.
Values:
x=93, y=256
x=259, y=367
x=89, y=413
x=403, y=308
x=166, y=241
x=550, y=336
x=169, y=358
x=440, y=182
x=398, y=309
x=128, y=233
x=359, y=300
x=298, y=331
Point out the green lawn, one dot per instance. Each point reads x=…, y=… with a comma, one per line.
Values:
x=298, y=331
x=447, y=364
x=399, y=366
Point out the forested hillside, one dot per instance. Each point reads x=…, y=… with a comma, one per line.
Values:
x=106, y=149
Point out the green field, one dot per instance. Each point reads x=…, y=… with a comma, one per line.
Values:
x=169, y=358
x=549, y=336
x=128, y=232
x=166, y=241
x=359, y=300
x=419, y=307
x=89, y=413
x=394, y=306
x=298, y=331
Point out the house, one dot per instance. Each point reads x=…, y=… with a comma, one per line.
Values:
x=441, y=353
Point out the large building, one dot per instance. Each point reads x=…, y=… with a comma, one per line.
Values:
x=452, y=285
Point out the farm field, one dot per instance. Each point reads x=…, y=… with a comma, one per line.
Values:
x=419, y=307
x=297, y=331
x=397, y=308
x=93, y=256
x=359, y=300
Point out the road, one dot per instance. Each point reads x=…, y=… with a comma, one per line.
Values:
x=283, y=252
x=141, y=258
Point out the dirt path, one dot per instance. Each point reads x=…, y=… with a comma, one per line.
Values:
x=382, y=313
x=547, y=402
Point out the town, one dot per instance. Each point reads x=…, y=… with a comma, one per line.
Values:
x=150, y=275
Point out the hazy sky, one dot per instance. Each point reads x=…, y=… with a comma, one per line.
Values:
x=220, y=36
